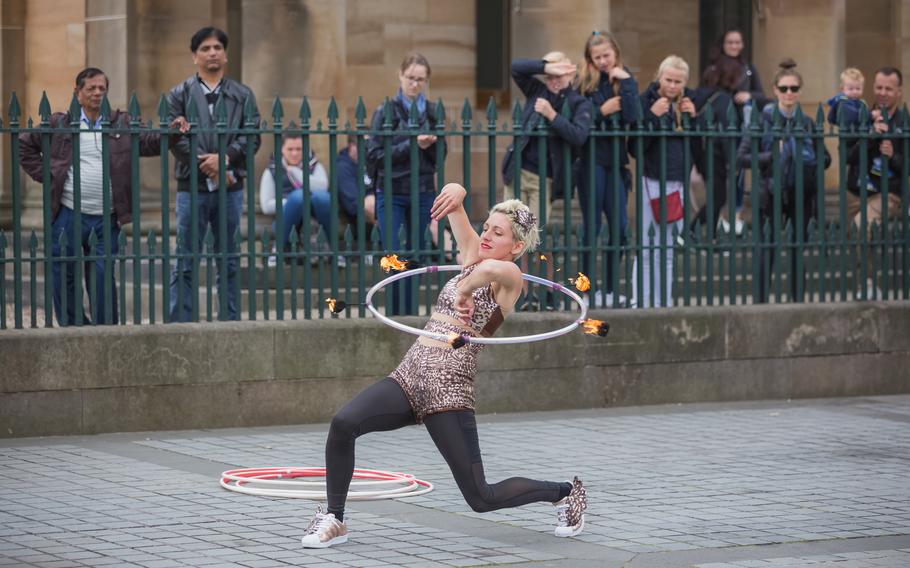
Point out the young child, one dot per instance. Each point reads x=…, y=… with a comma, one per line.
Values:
x=850, y=98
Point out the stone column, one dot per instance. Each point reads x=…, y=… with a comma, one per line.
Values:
x=292, y=49
x=12, y=78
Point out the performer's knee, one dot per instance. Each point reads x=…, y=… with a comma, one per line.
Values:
x=344, y=426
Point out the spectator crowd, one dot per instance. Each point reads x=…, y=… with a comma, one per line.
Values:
x=600, y=93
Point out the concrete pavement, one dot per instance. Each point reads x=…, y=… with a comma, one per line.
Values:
x=807, y=483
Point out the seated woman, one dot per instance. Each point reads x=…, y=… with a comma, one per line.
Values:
x=292, y=191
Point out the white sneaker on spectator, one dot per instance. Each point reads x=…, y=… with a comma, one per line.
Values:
x=341, y=262
x=598, y=299
x=609, y=300
x=738, y=226
x=272, y=260
x=723, y=226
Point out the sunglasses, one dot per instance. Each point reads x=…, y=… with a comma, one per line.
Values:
x=790, y=88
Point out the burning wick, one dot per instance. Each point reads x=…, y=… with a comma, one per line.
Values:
x=582, y=284
x=596, y=327
x=391, y=262
x=456, y=340
x=338, y=306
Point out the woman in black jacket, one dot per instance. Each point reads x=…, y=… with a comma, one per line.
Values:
x=666, y=168
x=414, y=77
x=732, y=72
x=612, y=90
x=544, y=100
x=798, y=204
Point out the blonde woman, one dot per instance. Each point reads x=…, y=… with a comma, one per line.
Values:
x=664, y=102
x=434, y=383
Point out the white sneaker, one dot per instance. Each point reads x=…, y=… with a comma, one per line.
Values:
x=738, y=226
x=570, y=512
x=324, y=531
x=341, y=262
x=723, y=226
x=609, y=300
x=272, y=260
x=598, y=299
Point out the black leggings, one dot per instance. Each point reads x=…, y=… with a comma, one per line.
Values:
x=382, y=407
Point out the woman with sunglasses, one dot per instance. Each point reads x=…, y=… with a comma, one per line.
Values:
x=787, y=87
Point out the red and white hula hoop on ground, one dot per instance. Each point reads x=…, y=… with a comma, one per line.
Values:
x=368, y=484
x=469, y=338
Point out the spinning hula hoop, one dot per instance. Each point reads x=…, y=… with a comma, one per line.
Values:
x=469, y=338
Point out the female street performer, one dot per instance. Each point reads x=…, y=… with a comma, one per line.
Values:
x=434, y=384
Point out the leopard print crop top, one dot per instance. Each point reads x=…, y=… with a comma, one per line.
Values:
x=436, y=378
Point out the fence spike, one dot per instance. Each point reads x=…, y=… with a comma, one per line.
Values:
x=305, y=113
x=319, y=124
x=192, y=111
x=15, y=111
x=440, y=113
x=755, y=121
x=732, y=123
x=162, y=110
x=75, y=111
x=332, y=112
x=413, y=117
x=133, y=108
x=360, y=112
x=492, y=113
x=516, y=115
x=467, y=114
x=777, y=119
x=277, y=111
x=105, y=110
x=44, y=108
x=249, y=113
x=863, y=118
x=387, y=114
x=820, y=118
x=799, y=123
x=904, y=119
x=709, y=116
x=220, y=111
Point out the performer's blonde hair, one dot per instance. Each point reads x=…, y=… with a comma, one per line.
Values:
x=524, y=223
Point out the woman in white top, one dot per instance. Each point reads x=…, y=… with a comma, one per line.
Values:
x=291, y=188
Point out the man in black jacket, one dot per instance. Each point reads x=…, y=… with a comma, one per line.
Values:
x=207, y=87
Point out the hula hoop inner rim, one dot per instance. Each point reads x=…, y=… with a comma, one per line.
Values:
x=468, y=338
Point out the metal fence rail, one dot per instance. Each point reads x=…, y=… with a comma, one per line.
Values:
x=824, y=258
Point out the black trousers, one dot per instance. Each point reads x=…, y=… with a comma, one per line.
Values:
x=384, y=406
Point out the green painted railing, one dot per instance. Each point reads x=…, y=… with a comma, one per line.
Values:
x=830, y=258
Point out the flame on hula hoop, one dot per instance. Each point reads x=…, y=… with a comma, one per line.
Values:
x=582, y=284
x=335, y=306
x=391, y=262
x=596, y=327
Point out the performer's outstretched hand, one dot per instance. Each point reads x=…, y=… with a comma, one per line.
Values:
x=448, y=200
x=464, y=305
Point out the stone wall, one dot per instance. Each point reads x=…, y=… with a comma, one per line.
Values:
x=107, y=379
